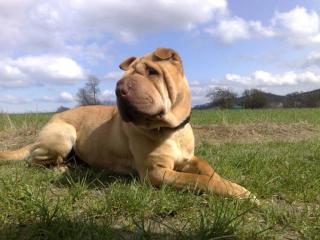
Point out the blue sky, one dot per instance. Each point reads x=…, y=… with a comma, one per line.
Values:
x=48, y=48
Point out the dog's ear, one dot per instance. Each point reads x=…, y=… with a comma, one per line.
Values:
x=167, y=54
x=126, y=63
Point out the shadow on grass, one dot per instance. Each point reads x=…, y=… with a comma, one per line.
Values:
x=63, y=228
x=66, y=229
x=81, y=174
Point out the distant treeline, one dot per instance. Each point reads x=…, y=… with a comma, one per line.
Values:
x=254, y=98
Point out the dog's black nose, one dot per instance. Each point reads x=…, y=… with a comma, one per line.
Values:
x=122, y=89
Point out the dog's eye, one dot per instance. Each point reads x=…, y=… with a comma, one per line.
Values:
x=152, y=71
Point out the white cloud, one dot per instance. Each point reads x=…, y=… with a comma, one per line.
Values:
x=313, y=60
x=45, y=99
x=66, y=97
x=57, y=25
x=281, y=84
x=258, y=29
x=131, y=18
x=232, y=29
x=38, y=70
x=91, y=53
x=30, y=25
x=11, y=99
x=113, y=75
x=66, y=26
x=77, y=26
x=199, y=91
x=108, y=95
x=265, y=79
x=299, y=26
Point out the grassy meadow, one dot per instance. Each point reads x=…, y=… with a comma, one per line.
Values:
x=274, y=153
x=279, y=116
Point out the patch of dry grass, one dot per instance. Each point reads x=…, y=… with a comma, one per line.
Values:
x=255, y=132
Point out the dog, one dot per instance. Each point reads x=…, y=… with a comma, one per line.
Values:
x=148, y=132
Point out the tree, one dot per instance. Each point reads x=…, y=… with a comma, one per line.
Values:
x=293, y=100
x=303, y=99
x=312, y=101
x=222, y=97
x=89, y=95
x=254, y=98
x=62, y=109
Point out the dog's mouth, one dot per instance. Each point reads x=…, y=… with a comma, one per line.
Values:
x=130, y=113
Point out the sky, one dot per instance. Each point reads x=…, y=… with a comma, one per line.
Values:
x=49, y=48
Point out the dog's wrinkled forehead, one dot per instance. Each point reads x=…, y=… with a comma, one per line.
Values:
x=160, y=54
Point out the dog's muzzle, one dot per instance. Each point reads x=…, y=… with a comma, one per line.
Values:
x=136, y=105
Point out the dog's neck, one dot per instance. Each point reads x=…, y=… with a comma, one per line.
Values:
x=163, y=131
x=181, y=125
x=170, y=130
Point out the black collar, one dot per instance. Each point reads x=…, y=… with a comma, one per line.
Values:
x=181, y=125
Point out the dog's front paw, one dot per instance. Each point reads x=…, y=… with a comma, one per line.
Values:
x=252, y=198
x=242, y=193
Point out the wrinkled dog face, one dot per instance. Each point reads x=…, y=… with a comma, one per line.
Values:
x=154, y=92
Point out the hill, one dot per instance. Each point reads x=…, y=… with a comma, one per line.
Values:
x=295, y=99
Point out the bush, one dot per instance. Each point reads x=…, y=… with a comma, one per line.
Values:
x=254, y=98
x=222, y=97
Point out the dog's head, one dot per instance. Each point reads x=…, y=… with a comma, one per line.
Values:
x=154, y=92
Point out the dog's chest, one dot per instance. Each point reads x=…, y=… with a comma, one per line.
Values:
x=182, y=145
x=179, y=152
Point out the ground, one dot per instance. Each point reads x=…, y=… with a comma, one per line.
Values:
x=274, y=153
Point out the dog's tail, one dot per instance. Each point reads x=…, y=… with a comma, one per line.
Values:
x=19, y=154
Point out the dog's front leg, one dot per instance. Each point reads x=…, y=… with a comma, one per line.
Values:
x=198, y=176
x=219, y=184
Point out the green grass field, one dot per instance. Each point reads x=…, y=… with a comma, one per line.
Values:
x=86, y=203
x=280, y=116
x=27, y=120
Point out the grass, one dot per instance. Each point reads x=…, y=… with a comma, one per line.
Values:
x=280, y=116
x=87, y=203
x=27, y=120
x=199, y=117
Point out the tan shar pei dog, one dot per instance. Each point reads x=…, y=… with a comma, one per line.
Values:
x=148, y=132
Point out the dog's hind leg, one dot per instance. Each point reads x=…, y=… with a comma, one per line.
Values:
x=55, y=142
